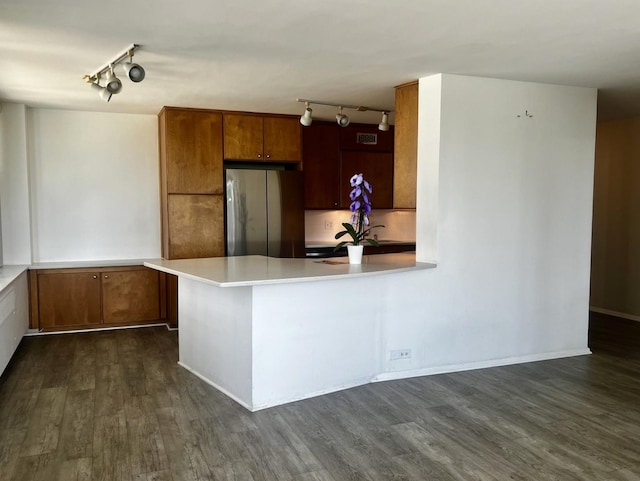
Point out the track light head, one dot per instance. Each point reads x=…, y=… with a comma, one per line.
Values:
x=112, y=83
x=305, y=118
x=341, y=118
x=134, y=72
x=384, y=123
x=102, y=91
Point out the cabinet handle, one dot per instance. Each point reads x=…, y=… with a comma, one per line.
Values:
x=259, y=156
x=95, y=277
x=268, y=156
x=106, y=277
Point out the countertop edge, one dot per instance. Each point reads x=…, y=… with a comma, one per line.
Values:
x=354, y=271
x=12, y=272
x=88, y=264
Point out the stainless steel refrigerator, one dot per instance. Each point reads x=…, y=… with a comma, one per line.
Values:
x=264, y=212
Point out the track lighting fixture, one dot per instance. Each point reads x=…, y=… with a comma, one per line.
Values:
x=134, y=72
x=112, y=84
x=342, y=119
x=305, y=118
x=102, y=91
x=384, y=123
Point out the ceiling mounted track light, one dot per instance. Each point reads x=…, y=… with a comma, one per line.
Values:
x=384, y=123
x=134, y=72
x=111, y=84
x=305, y=118
x=342, y=119
x=102, y=91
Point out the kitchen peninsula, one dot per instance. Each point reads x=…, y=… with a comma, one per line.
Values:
x=267, y=331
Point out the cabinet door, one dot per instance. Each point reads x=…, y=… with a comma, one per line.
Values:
x=366, y=138
x=321, y=165
x=192, y=144
x=130, y=296
x=377, y=168
x=69, y=299
x=282, y=139
x=243, y=137
x=406, y=147
x=196, y=226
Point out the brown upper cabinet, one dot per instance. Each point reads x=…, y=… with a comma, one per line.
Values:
x=366, y=138
x=332, y=154
x=406, y=146
x=377, y=168
x=191, y=151
x=262, y=138
x=321, y=165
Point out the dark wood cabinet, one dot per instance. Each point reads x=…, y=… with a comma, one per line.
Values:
x=321, y=165
x=191, y=183
x=262, y=138
x=85, y=298
x=196, y=226
x=366, y=138
x=191, y=151
x=69, y=299
x=130, y=296
x=332, y=154
x=378, y=170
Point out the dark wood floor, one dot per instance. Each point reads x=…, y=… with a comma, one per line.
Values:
x=115, y=406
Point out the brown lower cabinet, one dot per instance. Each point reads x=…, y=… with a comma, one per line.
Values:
x=88, y=298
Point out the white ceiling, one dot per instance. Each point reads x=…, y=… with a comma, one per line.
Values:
x=260, y=55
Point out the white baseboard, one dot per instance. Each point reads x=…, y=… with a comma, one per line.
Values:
x=242, y=403
x=608, y=312
x=395, y=375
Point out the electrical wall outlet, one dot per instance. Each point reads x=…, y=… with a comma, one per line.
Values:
x=328, y=225
x=399, y=354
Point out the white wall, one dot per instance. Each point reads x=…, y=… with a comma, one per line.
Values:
x=94, y=185
x=504, y=207
x=14, y=185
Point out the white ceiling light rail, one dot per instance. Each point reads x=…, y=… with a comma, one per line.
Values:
x=112, y=84
x=342, y=119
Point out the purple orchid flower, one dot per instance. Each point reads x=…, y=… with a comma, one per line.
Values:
x=360, y=208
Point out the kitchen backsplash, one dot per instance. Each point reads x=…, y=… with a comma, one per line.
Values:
x=322, y=225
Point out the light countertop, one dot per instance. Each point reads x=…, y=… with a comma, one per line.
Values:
x=8, y=274
x=261, y=270
x=88, y=264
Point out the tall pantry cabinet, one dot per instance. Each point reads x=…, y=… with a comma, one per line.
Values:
x=191, y=155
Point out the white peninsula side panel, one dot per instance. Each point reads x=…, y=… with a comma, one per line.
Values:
x=215, y=336
x=271, y=344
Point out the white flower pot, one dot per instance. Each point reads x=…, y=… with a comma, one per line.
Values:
x=355, y=254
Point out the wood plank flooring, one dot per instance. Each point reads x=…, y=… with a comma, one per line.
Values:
x=116, y=406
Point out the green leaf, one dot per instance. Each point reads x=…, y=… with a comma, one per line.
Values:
x=340, y=246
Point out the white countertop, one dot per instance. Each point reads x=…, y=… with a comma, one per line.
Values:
x=8, y=274
x=261, y=270
x=88, y=264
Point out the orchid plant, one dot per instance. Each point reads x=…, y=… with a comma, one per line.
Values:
x=360, y=207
